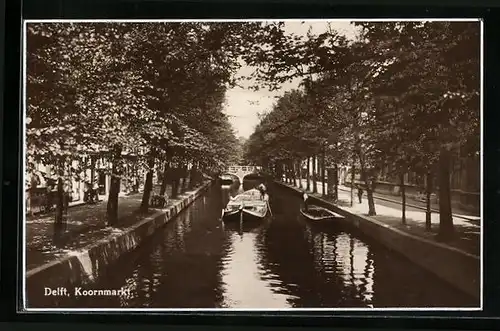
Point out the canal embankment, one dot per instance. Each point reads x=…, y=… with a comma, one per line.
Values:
x=89, y=263
x=457, y=267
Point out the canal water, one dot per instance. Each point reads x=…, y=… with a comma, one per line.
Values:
x=197, y=261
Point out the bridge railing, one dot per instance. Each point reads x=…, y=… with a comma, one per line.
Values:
x=235, y=169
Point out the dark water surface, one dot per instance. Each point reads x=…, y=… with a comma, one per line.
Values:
x=198, y=262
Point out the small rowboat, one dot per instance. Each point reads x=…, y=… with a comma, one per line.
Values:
x=316, y=213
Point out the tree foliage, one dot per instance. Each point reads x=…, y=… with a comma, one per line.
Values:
x=132, y=92
x=403, y=94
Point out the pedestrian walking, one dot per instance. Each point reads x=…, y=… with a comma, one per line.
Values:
x=360, y=194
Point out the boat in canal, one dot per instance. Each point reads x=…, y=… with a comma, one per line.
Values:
x=226, y=179
x=317, y=213
x=247, y=206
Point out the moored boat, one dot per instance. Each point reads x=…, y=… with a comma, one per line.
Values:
x=226, y=179
x=249, y=205
x=317, y=213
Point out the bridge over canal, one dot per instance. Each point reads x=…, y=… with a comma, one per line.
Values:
x=241, y=171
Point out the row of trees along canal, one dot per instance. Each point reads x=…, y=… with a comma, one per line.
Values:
x=404, y=94
x=141, y=94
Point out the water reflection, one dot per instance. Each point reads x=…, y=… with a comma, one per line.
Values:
x=347, y=258
x=241, y=228
x=198, y=261
x=245, y=284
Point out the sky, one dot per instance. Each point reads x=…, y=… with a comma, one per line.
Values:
x=243, y=105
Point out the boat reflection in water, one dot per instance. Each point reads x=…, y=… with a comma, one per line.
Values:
x=346, y=260
x=245, y=227
x=245, y=282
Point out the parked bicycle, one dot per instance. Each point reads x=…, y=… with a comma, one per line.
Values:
x=90, y=195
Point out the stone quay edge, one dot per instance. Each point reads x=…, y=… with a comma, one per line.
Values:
x=88, y=264
x=458, y=268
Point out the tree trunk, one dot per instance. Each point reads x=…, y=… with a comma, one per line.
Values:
x=315, y=186
x=92, y=171
x=299, y=169
x=166, y=177
x=336, y=183
x=330, y=182
x=148, y=185
x=59, y=222
x=308, y=176
x=185, y=182
x=323, y=177
x=352, y=182
x=294, y=173
x=369, y=188
x=60, y=201
x=318, y=172
x=193, y=176
x=371, y=203
x=428, y=191
x=93, y=180
x=114, y=188
x=29, y=206
x=446, y=229
x=182, y=177
x=403, y=197
x=315, y=170
x=175, y=181
x=285, y=172
x=135, y=186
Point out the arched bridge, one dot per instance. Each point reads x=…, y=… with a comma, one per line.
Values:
x=241, y=171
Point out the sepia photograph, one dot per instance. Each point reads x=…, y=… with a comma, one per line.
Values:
x=246, y=165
